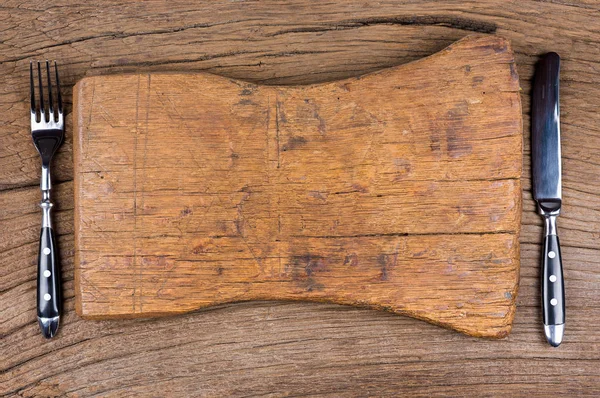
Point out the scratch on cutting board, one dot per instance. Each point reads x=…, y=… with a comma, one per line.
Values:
x=135, y=141
x=87, y=133
x=140, y=280
x=277, y=116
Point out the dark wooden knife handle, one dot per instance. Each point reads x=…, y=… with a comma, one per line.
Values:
x=48, y=286
x=553, y=289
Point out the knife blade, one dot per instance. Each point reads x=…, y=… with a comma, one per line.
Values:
x=547, y=190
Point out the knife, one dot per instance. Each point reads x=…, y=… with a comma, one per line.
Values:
x=547, y=190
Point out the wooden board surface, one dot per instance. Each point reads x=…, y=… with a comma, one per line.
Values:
x=398, y=190
x=279, y=348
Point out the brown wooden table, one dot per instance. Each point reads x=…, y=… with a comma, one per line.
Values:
x=267, y=348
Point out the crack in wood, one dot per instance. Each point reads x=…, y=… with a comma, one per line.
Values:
x=423, y=20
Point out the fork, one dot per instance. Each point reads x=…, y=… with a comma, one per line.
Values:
x=47, y=131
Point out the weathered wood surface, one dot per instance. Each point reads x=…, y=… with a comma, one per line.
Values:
x=398, y=190
x=293, y=348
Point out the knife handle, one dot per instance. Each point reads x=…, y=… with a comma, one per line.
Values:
x=553, y=290
x=48, y=286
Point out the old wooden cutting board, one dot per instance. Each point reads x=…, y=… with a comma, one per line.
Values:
x=398, y=190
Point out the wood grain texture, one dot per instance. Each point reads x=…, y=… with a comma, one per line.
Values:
x=398, y=190
x=293, y=349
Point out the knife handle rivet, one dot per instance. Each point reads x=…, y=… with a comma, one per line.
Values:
x=554, y=301
x=551, y=254
x=552, y=278
x=48, y=273
x=46, y=250
x=47, y=297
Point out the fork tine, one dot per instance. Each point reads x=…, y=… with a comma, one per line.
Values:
x=31, y=87
x=60, y=109
x=50, y=102
x=42, y=108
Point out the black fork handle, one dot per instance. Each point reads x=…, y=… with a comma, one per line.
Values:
x=48, y=284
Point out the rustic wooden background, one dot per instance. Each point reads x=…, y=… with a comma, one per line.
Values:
x=265, y=348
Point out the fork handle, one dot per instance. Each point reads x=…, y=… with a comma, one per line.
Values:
x=48, y=284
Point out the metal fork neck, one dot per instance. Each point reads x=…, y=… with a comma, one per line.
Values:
x=45, y=184
x=46, y=204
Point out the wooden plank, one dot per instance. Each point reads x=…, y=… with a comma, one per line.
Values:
x=287, y=348
x=377, y=191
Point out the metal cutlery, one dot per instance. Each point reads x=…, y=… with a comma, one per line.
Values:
x=47, y=131
x=547, y=190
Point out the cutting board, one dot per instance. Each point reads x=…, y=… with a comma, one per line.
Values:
x=398, y=190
